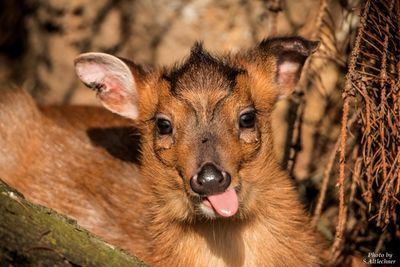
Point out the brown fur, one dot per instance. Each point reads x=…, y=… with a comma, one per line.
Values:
x=82, y=162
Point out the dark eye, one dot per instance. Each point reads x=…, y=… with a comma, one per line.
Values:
x=164, y=126
x=247, y=120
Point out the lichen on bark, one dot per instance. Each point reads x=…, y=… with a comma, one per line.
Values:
x=33, y=235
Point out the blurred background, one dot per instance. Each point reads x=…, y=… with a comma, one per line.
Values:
x=354, y=204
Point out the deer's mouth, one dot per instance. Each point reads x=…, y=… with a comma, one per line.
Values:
x=216, y=196
x=223, y=204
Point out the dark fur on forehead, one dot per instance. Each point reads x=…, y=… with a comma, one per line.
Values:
x=200, y=66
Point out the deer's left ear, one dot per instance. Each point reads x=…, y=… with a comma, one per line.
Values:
x=289, y=53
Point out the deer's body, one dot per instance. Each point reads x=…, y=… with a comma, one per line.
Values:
x=201, y=189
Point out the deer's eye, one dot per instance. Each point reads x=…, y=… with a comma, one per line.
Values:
x=247, y=119
x=164, y=126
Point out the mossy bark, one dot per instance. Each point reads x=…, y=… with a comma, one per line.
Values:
x=32, y=235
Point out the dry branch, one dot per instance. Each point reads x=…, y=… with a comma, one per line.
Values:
x=372, y=89
x=31, y=235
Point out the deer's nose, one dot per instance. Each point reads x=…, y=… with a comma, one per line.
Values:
x=210, y=180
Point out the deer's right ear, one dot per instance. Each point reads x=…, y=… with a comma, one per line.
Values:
x=113, y=81
x=289, y=54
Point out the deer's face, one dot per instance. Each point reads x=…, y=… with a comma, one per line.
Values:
x=204, y=123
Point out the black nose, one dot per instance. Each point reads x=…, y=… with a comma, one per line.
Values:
x=210, y=180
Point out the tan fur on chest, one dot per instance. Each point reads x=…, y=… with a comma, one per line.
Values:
x=244, y=244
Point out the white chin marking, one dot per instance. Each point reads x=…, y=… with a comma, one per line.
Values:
x=207, y=211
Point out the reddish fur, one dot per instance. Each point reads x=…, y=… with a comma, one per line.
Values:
x=48, y=155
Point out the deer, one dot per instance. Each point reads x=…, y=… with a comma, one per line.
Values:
x=182, y=171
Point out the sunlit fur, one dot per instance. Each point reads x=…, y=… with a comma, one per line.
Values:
x=145, y=204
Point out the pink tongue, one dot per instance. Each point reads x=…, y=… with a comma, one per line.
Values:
x=225, y=204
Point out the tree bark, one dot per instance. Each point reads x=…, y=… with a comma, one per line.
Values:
x=32, y=235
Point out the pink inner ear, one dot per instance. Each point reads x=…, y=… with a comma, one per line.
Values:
x=114, y=85
x=113, y=81
x=113, y=94
x=89, y=72
x=288, y=74
x=117, y=98
x=289, y=67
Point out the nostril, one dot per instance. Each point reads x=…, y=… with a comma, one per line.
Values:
x=196, y=180
x=196, y=185
x=223, y=177
x=226, y=181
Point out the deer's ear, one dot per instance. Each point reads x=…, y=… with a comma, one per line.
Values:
x=289, y=53
x=113, y=81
